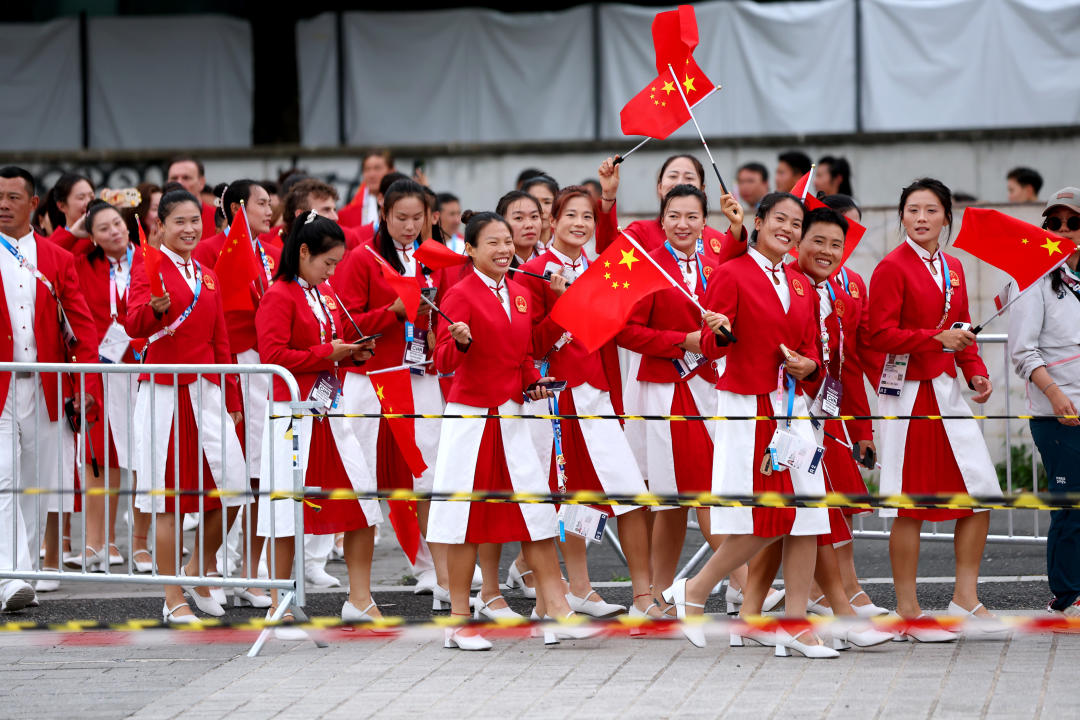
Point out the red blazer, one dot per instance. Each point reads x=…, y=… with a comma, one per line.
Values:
x=740, y=290
x=352, y=215
x=496, y=366
x=240, y=323
x=289, y=335
x=201, y=339
x=359, y=282
x=62, y=237
x=722, y=246
x=209, y=227
x=94, y=281
x=274, y=237
x=572, y=362
x=850, y=311
x=906, y=311
x=59, y=267
x=663, y=320
x=357, y=237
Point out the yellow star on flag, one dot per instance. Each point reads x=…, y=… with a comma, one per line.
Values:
x=626, y=286
x=669, y=87
x=607, y=263
x=1024, y=241
x=379, y=392
x=607, y=276
x=628, y=259
x=614, y=285
x=1052, y=246
x=688, y=83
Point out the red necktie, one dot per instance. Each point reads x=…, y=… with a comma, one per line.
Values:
x=497, y=289
x=932, y=263
x=404, y=253
x=775, y=274
x=186, y=266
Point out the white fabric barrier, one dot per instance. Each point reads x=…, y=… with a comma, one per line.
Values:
x=948, y=64
x=184, y=81
x=316, y=67
x=40, y=87
x=467, y=76
x=786, y=68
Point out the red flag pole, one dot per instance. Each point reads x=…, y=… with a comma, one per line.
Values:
x=701, y=135
x=620, y=158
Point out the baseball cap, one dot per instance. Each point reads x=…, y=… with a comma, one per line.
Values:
x=1065, y=197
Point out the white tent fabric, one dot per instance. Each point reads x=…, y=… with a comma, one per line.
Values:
x=468, y=76
x=41, y=89
x=316, y=57
x=785, y=68
x=170, y=82
x=949, y=64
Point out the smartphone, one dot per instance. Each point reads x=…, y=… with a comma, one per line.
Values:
x=364, y=339
x=867, y=460
x=552, y=385
x=417, y=166
x=429, y=293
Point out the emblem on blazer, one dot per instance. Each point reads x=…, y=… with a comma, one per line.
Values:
x=270, y=262
x=839, y=307
x=520, y=304
x=708, y=271
x=954, y=278
x=796, y=285
x=853, y=290
x=208, y=281
x=716, y=245
x=329, y=302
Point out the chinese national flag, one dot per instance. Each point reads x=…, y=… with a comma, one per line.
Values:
x=237, y=267
x=437, y=256
x=675, y=35
x=394, y=390
x=855, y=230
x=151, y=258
x=657, y=111
x=406, y=287
x=597, y=305
x=1024, y=251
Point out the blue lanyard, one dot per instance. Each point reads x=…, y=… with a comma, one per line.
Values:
x=844, y=284
x=697, y=254
x=112, y=281
x=560, y=460
x=29, y=266
x=947, y=282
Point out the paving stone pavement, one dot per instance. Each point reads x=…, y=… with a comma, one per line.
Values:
x=1027, y=676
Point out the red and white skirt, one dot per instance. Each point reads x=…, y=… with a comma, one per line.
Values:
x=256, y=394
x=488, y=455
x=740, y=447
x=598, y=456
x=122, y=390
x=943, y=457
x=679, y=454
x=843, y=472
x=330, y=459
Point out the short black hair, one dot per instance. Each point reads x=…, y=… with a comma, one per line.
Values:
x=318, y=233
x=545, y=180
x=389, y=179
x=755, y=167
x=187, y=158
x=445, y=197
x=10, y=172
x=594, y=184
x=798, y=161
x=1026, y=176
x=824, y=215
x=527, y=174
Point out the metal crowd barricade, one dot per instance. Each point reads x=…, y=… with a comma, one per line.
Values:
x=30, y=494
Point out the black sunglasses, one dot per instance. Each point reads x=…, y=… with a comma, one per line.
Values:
x=1054, y=223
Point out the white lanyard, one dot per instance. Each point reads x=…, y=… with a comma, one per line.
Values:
x=112, y=283
x=315, y=311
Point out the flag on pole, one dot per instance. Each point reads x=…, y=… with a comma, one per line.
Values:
x=855, y=231
x=406, y=287
x=1024, y=251
x=237, y=266
x=597, y=305
x=1002, y=298
x=394, y=390
x=437, y=256
x=657, y=111
x=675, y=35
x=151, y=258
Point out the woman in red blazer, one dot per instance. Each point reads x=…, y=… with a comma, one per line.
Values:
x=301, y=328
x=375, y=306
x=597, y=455
x=487, y=348
x=770, y=308
x=918, y=293
x=66, y=205
x=185, y=325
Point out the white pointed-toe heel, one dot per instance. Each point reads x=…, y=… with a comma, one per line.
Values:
x=167, y=615
x=517, y=578
x=596, y=607
x=786, y=643
x=440, y=599
x=286, y=631
x=752, y=637
x=985, y=628
x=484, y=609
x=242, y=597
x=676, y=595
x=734, y=599
x=773, y=599
x=351, y=613
x=860, y=636
x=454, y=639
x=928, y=634
x=207, y=604
x=142, y=566
x=567, y=629
x=866, y=611
x=815, y=606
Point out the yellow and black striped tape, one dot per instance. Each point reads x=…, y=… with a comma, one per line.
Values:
x=664, y=418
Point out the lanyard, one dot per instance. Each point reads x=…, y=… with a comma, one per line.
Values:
x=315, y=311
x=697, y=255
x=265, y=260
x=410, y=328
x=560, y=459
x=29, y=267
x=948, y=291
x=784, y=381
x=825, y=351
x=112, y=282
x=1071, y=283
x=171, y=328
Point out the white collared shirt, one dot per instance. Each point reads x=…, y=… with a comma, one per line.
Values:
x=313, y=300
x=180, y=265
x=122, y=273
x=370, y=206
x=20, y=291
x=826, y=301
x=782, y=290
x=572, y=268
x=688, y=266
x=504, y=293
x=938, y=273
x=405, y=255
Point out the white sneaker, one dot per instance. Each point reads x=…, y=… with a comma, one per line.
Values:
x=16, y=595
x=318, y=577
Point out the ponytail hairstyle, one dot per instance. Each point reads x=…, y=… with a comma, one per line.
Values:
x=171, y=199
x=839, y=166
x=397, y=191
x=685, y=191
x=842, y=203
x=475, y=222
x=768, y=203
x=235, y=192
x=218, y=191
x=545, y=180
x=432, y=203
x=318, y=233
x=567, y=194
x=59, y=193
x=506, y=201
x=940, y=190
x=95, y=208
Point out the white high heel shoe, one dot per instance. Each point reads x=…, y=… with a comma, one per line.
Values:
x=484, y=608
x=595, y=608
x=207, y=604
x=866, y=611
x=928, y=634
x=734, y=599
x=752, y=636
x=440, y=599
x=90, y=561
x=786, y=643
x=351, y=613
x=218, y=593
x=245, y=598
x=676, y=595
x=286, y=632
x=516, y=577
x=986, y=628
x=44, y=586
x=773, y=599
x=115, y=558
x=142, y=566
x=815, y=606
x=167, y=615
x=454, y=639
x=859, y=636
x=563, y=631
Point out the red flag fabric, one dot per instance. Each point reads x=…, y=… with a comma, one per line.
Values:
x=855, y=231
x=151, y=258
x=406, y=287
x=394, y=390
x=675, y=35
x=237, y=266
x=806, y=195
x=1024, y=251
x=597, y=305
x=657, y=111
x=1002, y=297
x=437, y=256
